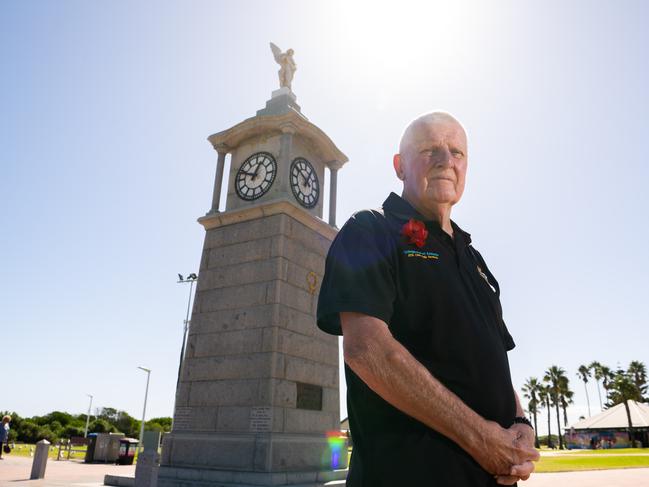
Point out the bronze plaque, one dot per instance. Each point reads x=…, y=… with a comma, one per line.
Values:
x=309, y=396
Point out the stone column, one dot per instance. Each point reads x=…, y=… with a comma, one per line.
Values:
x=284, y=163
x=218, y=179
x=333, y=190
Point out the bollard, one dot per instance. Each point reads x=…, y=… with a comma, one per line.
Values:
x=40, y=460
x=148, y=461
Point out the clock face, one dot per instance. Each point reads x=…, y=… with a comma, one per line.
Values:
x=304, y=182
x=255, y=176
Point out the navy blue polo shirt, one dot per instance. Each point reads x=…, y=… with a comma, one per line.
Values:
x=441, y=302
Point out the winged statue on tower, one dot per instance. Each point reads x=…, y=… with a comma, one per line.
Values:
x=288, y=66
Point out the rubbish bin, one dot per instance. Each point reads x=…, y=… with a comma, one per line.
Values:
x=90, y=452
x=127, y=447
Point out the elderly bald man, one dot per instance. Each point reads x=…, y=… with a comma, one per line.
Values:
x=429, y=390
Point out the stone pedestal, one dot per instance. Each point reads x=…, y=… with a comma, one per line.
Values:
x=281, y=101
x=259, y=383
x=148, y=461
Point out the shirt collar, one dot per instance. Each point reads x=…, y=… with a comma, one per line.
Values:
x=401, y=209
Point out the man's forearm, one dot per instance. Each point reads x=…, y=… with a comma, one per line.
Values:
x=391, y=371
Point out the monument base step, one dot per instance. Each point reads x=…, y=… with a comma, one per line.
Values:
x=119, y=481
x=191, y=477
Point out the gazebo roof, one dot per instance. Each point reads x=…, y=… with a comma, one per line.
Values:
x=615, y=417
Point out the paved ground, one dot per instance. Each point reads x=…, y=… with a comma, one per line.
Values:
x=629, y=477
x=14, y=472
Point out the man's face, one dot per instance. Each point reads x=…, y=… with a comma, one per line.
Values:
x=433, y=164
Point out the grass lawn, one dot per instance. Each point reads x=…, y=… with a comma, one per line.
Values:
x=23, y=450
x=571, y=460
x=612, y=451
x=593, y=460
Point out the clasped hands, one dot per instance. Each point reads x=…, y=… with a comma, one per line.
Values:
x=509, y=453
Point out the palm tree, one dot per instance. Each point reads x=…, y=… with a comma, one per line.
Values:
x=544, y=397
x=623, y=389
x=638, y=371
x=531, y=390
x=607, y=376
x=596, y=367
x=553, y=377
x=584, y=374
x=565, y=397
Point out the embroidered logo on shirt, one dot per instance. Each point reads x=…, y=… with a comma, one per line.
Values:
x=421, y=254
x=484, y=276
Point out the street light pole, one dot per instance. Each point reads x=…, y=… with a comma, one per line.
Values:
x=191, y=279
x=146, y=394
x=85, y=434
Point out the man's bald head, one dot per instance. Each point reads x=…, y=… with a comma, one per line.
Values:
x=422, y=124
x=432, y=163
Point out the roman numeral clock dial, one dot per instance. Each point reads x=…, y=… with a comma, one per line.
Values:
x=304, y=182
x=255, y=176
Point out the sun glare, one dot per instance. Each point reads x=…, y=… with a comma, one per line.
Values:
x=401, y=33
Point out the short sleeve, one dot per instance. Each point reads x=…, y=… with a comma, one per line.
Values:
x=359, y=272
x=507, y=338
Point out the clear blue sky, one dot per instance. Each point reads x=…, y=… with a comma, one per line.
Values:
x=106, y=107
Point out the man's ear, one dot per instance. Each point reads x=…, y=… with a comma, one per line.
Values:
x=396, y=163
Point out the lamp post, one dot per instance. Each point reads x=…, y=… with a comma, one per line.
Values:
x=146, y=393
x=191, y=279
x=85, y=433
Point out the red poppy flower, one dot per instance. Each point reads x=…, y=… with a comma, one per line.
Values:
x=415, y=231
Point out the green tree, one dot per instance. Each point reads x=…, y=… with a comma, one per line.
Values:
x=28, y=432
x=71, y=431
x=63, y=419
x=46, y=433
x=531, y=390
x=100, y=425
x=622, y=389
x=553, y=376
x=153, y=426
x=584, y=374
x=109, y=414
x=56, y=428
x=638, y=371
x=127, y=424
x=607, y=376
x=165, y=422
x=544, y=397
x=565, y=397
x=596, y=367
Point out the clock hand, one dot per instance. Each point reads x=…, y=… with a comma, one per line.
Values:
x=306, y=180
x=257, y=169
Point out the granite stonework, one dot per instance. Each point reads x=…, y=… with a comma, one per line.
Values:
x=259, y=382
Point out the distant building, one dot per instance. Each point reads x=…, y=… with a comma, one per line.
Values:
x=609, y=429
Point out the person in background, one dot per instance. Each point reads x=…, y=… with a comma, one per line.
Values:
x=4, y=432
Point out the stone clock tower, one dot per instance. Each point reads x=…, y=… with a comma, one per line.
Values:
x=258, y=400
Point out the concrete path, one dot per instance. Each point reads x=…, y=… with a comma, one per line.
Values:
x=15, y=470
x=628, y=477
